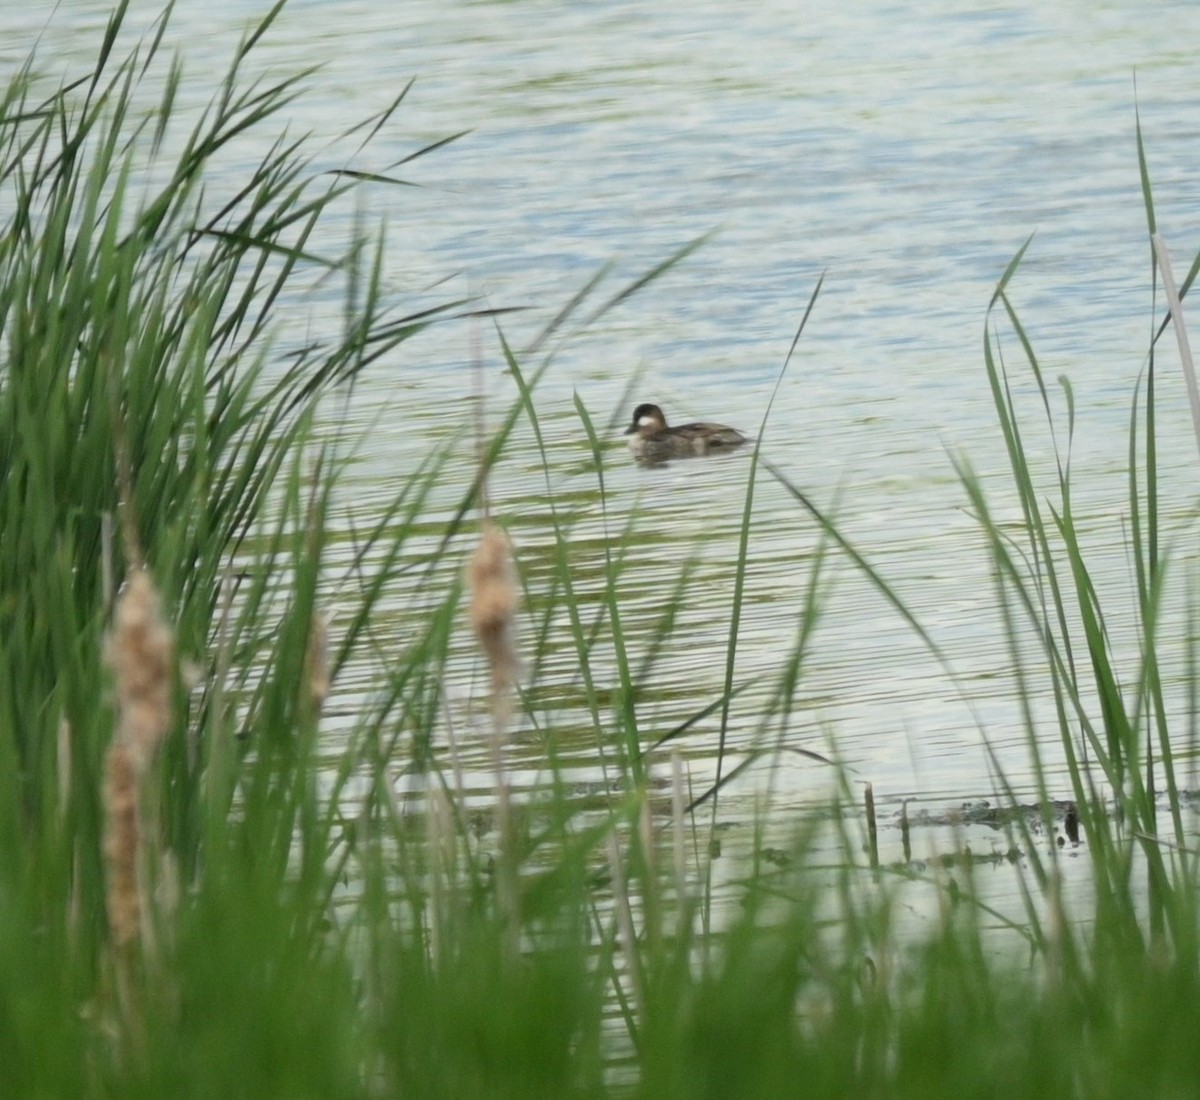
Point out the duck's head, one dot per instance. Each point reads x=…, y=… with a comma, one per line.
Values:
x=647, y=420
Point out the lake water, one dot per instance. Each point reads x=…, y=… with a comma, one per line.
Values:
x=906, y=154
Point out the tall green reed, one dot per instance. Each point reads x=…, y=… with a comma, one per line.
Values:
x=1078, y=681
x=144, y=423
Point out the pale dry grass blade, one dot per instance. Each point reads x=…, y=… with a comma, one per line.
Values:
x=1163, y=256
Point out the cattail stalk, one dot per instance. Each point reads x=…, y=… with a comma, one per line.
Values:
x=491, y=580
x=440, y=846
x=122, y=837
x=456, y=764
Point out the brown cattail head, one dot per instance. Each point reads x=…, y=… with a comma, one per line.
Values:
x=121, y=839
x=494, y=596
x=141, y=653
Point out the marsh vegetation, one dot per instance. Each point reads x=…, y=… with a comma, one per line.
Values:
x=211, y=885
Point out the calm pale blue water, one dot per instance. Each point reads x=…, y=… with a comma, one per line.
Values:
x=907, y=155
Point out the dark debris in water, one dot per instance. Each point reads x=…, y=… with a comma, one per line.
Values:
x=965, y=857
x=982, y=812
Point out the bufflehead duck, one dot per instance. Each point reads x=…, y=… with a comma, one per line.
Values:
x=652, y=441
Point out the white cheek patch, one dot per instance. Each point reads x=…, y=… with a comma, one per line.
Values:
x=646, y=422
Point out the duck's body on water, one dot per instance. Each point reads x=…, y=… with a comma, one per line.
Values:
x=653, y=440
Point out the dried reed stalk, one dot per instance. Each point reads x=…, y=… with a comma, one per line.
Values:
x=626, y=935
x=872, y=826
x=679, y=837
x=316, y=661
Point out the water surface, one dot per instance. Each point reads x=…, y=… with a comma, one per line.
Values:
x=905, y=156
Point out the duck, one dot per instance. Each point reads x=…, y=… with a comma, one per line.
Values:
x=653, y=440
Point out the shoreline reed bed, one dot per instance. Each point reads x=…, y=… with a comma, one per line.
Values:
x=200, y=896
